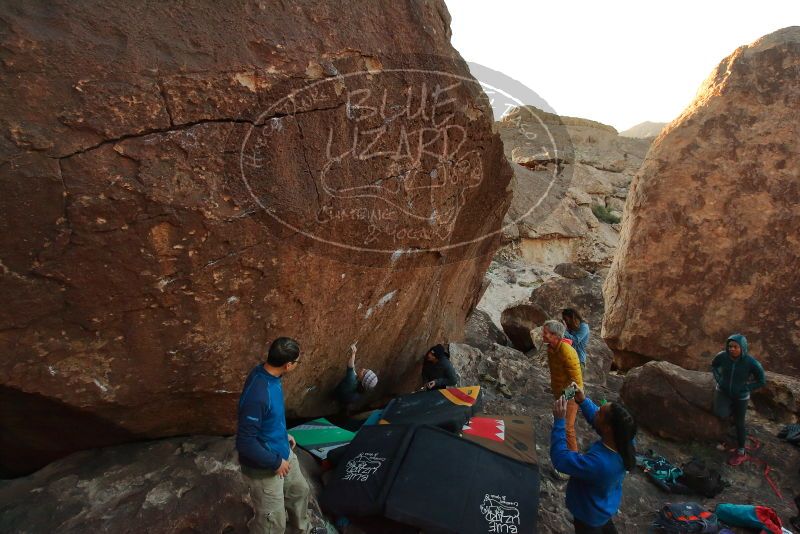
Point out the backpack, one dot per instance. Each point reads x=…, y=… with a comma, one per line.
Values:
x=661, y=472
x=701, y=479
x=761, y=518
x=685, y=518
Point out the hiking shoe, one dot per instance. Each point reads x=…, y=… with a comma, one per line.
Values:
x=737, y=458
x=504, y=391
x=486, y=377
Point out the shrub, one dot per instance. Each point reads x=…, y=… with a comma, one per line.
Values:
x=604, y=214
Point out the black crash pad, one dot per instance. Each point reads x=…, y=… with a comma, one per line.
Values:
x=450, y=485
x=448, y=408
x=365, y=470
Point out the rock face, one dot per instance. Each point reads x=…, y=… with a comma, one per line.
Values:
x=584, y=294
x=481, y=332
x=518, y=320
x=169, y=206
x=779, y=400
x=570, y=270
x=563, y=167
x=509, y=279
x=186, y=485
x=709, y=244
x=673, y=402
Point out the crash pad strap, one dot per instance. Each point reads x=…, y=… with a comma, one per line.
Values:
x=465, y=396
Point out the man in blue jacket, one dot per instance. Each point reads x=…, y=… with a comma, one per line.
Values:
x=279, y=492
x=737, y=373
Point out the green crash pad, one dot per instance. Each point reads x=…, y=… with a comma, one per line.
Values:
x=320, y=436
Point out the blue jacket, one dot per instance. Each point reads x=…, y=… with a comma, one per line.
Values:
x=733, y=376
x=261, y=438
x=580, y=338
x=594, y=490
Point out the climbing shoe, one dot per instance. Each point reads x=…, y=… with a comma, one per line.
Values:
x=489, y=379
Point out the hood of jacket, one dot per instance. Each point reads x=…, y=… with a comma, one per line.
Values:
x=741, y=340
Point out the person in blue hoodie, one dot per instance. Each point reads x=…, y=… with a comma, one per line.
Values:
x=736, y=373
x=577, y=332
x=594, y=490
x=278, y=489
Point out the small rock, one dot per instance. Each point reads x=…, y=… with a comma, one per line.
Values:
x=570, y=270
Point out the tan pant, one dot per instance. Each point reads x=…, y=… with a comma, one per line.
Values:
x=278, y=500
x=572, y=413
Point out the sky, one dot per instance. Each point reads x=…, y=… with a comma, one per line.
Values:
x=618, y=62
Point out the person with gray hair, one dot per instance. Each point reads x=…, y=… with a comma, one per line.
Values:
x=565, y=368
x=555, y=327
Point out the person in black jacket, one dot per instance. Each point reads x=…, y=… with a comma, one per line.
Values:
x=437, y=371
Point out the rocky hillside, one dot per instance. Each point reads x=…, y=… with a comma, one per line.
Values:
x=644, y=130
x=571, y=179
x=182, y=186
x=710, y=237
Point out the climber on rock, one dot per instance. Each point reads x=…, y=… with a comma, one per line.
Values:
x=437, y=371
x=356, y=385
x=736, y=373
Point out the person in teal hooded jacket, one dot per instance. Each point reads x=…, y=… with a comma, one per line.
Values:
x=737, y=373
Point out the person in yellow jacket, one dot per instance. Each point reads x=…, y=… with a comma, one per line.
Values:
x=565, y=368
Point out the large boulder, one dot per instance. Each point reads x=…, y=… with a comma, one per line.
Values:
x=468, y=361
x=518, y=320
x=481, y=332
x=190, y=484
x=779, y=400
x=168, y=206
x=672, y=402
x=709, y=244
x=584, y=294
